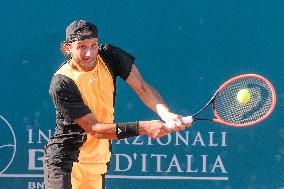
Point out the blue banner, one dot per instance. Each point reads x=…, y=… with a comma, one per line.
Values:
x=185, y=49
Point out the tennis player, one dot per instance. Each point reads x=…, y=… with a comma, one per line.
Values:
x=83, y=93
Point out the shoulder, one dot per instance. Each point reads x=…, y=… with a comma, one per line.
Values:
x=106, y=48
x=118, y=61
x=109, y=51
x=112, y=50
x=60, y=83
x=60, y=80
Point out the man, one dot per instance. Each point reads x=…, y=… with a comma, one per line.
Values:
x=83, y=91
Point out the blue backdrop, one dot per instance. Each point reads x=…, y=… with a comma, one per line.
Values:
x=185, y=49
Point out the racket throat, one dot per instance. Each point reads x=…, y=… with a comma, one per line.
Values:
x=202, y=119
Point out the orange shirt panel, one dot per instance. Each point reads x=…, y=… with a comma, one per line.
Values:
x=97, y=90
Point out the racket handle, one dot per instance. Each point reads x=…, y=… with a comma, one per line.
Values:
x=187, y=119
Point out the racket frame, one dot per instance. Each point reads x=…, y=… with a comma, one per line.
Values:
x=218, y=119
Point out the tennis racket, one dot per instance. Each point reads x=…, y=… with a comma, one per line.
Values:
x=229, y=111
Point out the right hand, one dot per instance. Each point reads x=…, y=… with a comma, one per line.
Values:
x=153, y=128
x=174, y=122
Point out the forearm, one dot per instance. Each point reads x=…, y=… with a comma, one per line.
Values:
x=152, y=99
x=103, y=130
x=155, y=102
x=111, y=130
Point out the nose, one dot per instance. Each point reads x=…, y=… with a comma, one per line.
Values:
x=88, y=53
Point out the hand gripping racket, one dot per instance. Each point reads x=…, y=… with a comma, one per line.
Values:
x=228, y=109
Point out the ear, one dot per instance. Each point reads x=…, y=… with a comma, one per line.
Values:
x=66, y=48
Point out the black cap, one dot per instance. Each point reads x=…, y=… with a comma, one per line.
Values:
x=80, y=30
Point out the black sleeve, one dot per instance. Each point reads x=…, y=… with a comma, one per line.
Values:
x=117, y=60
x=67, y=98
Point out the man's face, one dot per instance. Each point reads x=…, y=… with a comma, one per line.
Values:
x=84, y=53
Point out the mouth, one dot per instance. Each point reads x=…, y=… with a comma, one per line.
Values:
x=89, y=61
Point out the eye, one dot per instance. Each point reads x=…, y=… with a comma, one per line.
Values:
x=94, y=45
x=82, y=47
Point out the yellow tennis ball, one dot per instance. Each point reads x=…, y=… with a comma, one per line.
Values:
x=243, y=96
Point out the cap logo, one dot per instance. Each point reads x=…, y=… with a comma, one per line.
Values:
x=84, y=32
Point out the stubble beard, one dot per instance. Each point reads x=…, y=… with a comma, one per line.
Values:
x=87, y=66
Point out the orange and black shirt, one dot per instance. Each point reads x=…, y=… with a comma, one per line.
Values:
x=76, y=94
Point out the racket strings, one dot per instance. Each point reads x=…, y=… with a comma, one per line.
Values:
x=231, y=110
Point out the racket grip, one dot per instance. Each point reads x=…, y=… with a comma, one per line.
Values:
x=187, y=119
